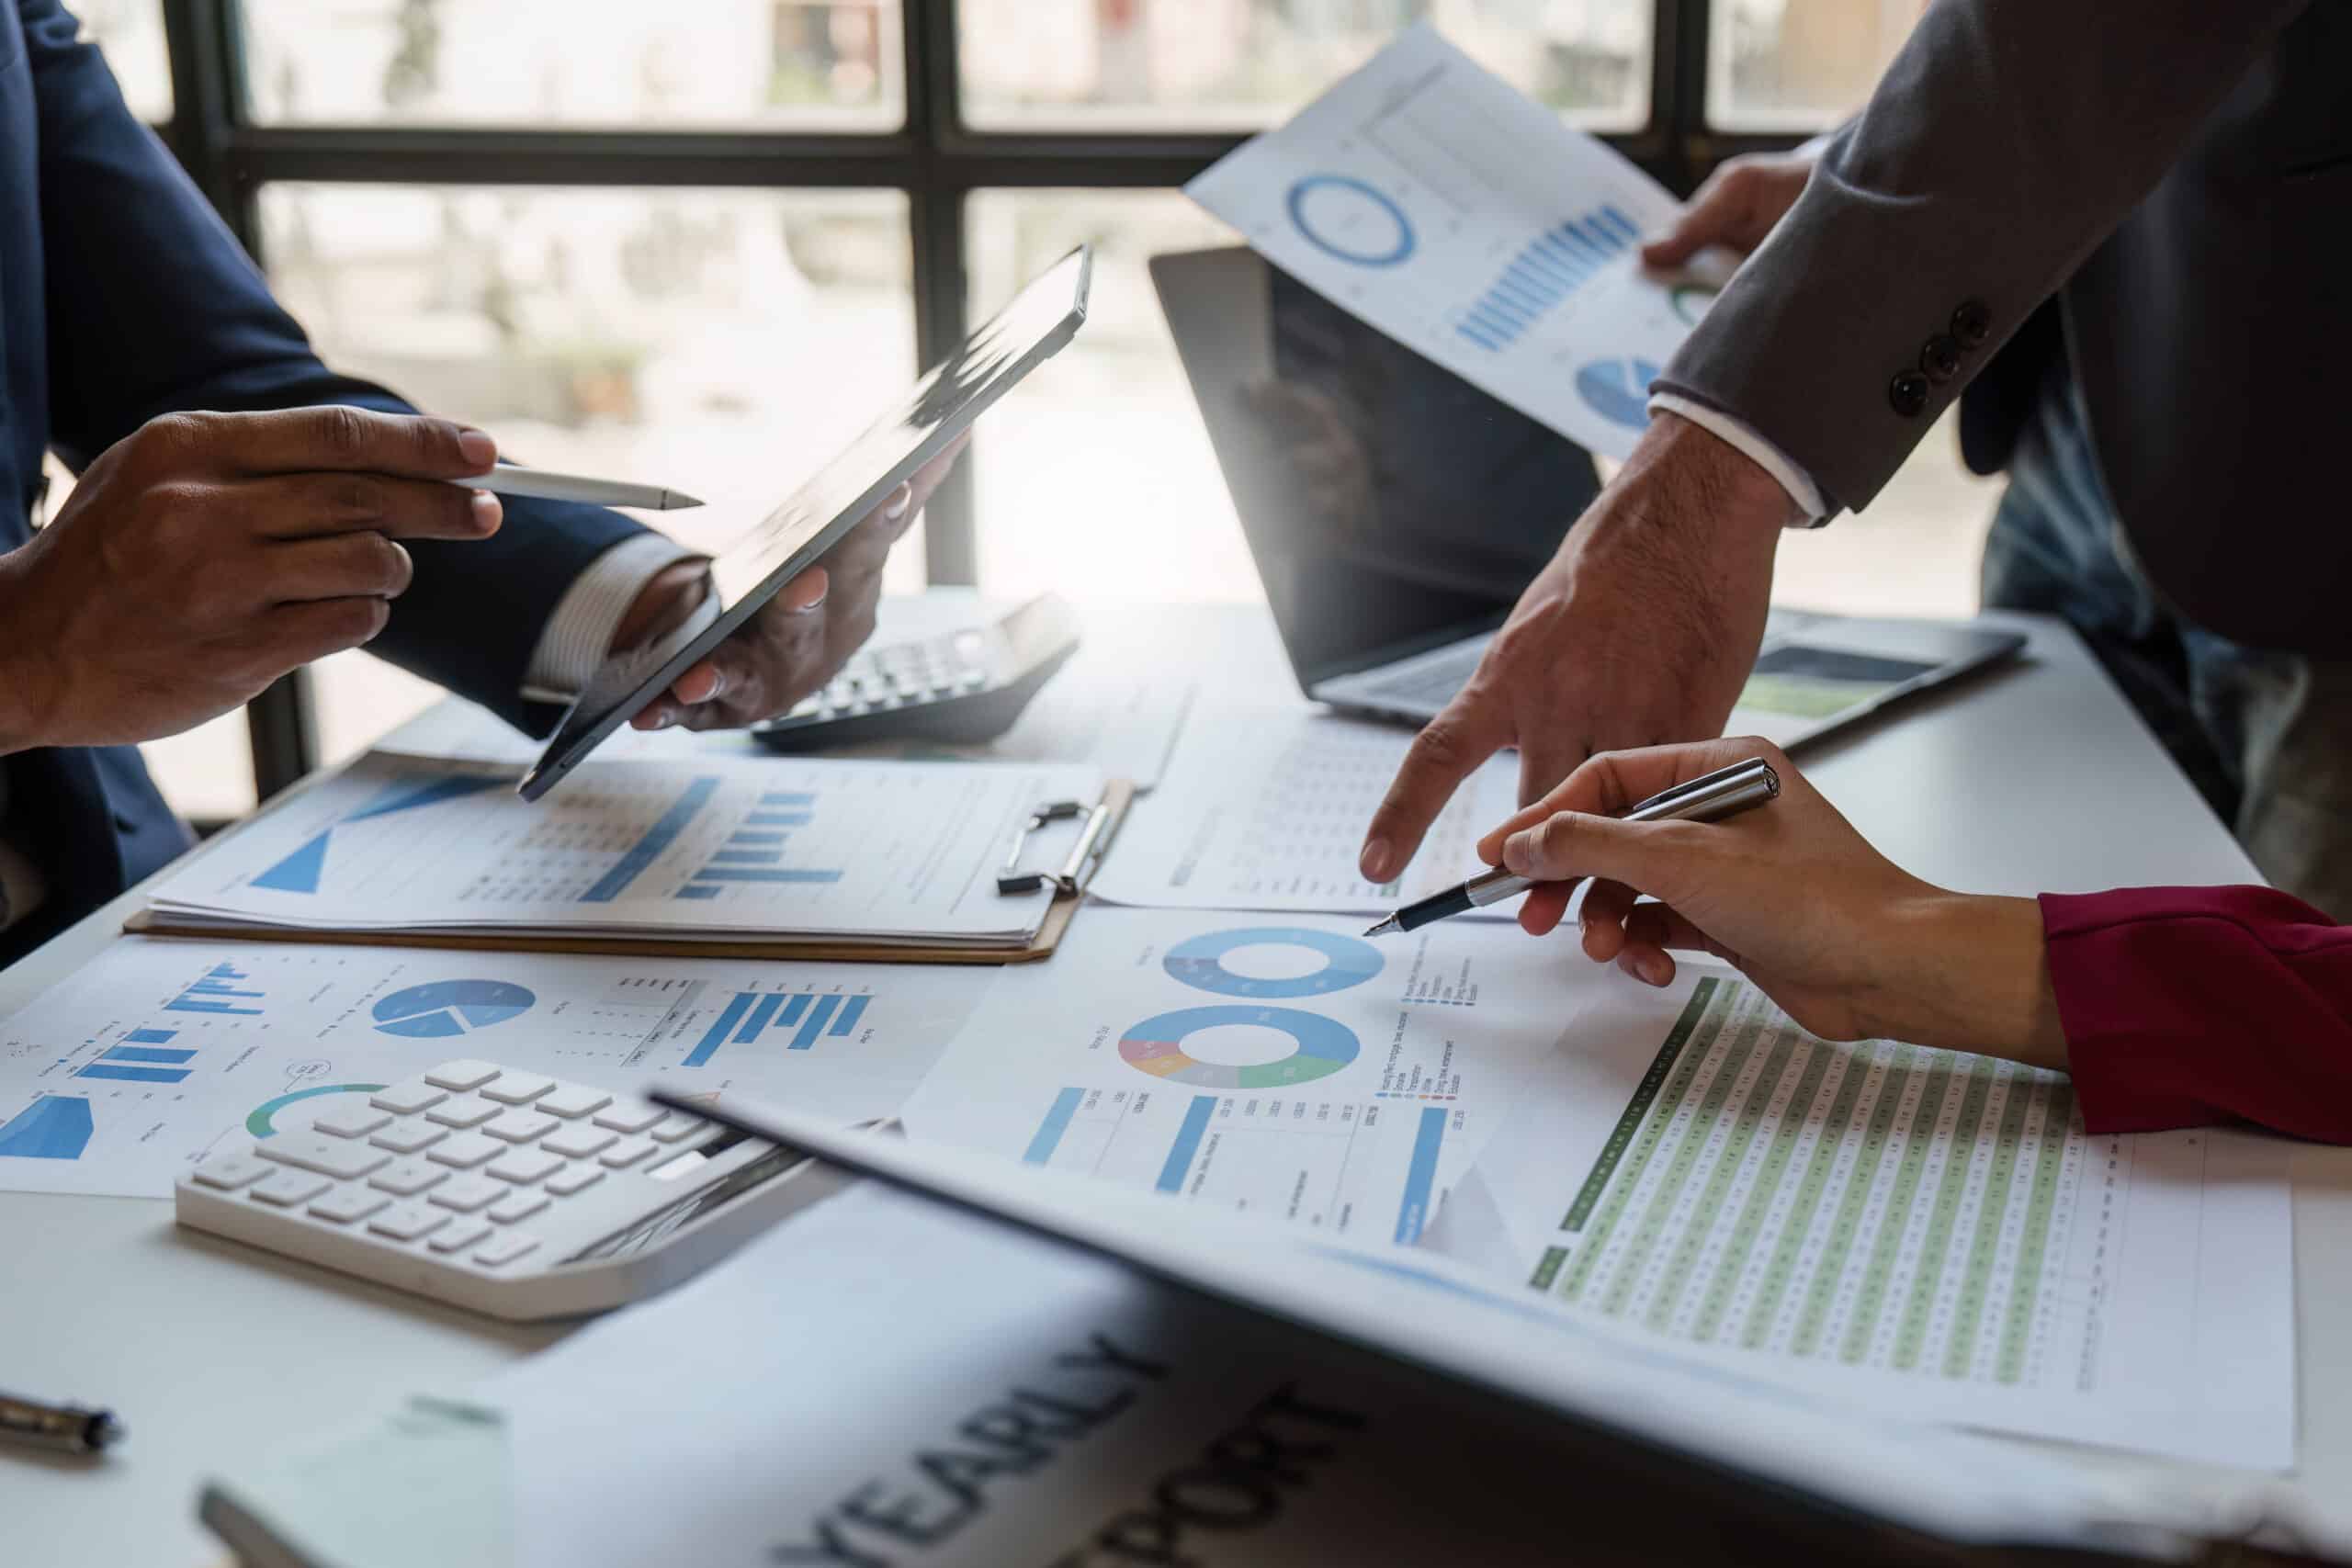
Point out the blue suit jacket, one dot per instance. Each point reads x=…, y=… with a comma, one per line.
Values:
x=123, y=297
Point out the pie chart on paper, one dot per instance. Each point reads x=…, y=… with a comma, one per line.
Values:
x=446, y=1009
x=1617, y=390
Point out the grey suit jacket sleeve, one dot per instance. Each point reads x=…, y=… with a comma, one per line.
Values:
x=2003, y=144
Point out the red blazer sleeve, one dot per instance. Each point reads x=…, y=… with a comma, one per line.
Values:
x=2190, y=1005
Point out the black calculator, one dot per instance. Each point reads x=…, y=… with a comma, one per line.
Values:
x=964, y=686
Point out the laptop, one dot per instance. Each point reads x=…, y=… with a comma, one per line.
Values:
x=1396, y=511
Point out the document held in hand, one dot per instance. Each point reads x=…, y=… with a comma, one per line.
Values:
x=1432, y=199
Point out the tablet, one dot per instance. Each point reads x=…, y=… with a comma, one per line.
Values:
x=754, y=569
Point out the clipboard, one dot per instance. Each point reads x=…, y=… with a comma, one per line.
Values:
x=1106, y=818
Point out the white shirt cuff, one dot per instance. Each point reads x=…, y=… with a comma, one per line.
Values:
x=1743, y=438
x=577, y=638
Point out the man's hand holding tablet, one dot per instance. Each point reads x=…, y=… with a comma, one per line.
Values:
x=737, y=644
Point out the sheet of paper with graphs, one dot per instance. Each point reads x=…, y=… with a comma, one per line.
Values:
x=160, y=1051
x=1428, y=197
x=1929, y=1232
x=683, y=847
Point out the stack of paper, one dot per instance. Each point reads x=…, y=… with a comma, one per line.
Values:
x=879, y=853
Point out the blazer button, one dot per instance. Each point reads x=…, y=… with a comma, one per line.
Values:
x=1971, y=323
x=1939, y=357
x=1907, y=393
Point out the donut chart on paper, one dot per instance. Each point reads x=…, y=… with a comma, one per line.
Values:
x=1199, y=962
x=1351, y=220
x=1157, y=1046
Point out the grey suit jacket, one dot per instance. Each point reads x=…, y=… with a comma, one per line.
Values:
x=2176, y=174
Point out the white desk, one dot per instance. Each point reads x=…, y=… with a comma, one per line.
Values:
x=2036, y=778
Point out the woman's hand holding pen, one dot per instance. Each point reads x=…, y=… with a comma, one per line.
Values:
x=1849, y=943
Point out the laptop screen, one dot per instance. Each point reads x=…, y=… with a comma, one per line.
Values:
x=1390, y=505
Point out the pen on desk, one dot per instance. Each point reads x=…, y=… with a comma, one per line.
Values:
x=1710, y=797
x=546, y=484
x=60, y=1428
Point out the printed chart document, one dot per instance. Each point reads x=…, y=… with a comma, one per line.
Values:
x=1432, y=199
x=1266, y=808
x=1296, y=1069
x=810, y=1403
x=160, y=1049
x=885, y=851
x=1929, y=1232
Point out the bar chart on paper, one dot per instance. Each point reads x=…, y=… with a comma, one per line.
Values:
x=1872, y=1205
x=1448, y=210
x=708, y=844
x=105, y=1088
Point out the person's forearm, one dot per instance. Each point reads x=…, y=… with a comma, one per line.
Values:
x=1971, y=973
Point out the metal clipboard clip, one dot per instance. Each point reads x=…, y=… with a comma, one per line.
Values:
x=1011, y=878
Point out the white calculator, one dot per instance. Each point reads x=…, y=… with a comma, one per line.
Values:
x=506, y=1191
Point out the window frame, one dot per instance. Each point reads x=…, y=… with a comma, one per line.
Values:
x=934, y=158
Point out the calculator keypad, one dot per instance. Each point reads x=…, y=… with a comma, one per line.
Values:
x=465, y=1162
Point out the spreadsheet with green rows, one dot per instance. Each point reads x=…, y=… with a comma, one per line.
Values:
x=1875, y=1204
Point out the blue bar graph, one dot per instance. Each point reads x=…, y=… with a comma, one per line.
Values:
x=749, y=1015
x=777, y=818
x=132, y=1075
x=209, y=994
x=696, y=890
x=1049, y=1131
x=762, y=1011
x=716, y=1034
x=741, y=839
x=150, y=1036
x=147, y=1053
x=748, y=857
x=1188, y=1143
x=787, y=798
x=814, y=1024
x=747, y=874
x=657, y=838
x=1420, y=1177
x=1546, y=270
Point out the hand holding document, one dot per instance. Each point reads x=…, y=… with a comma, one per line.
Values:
x=1441, y=205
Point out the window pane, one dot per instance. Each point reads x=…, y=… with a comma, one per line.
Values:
x=1801, y=64
x=131, y=34
x=1916, y=552
x=1094, y=477
x=1247, y=63
x=827, y=64
x=722, y=342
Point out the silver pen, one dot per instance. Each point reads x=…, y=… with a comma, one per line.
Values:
x=546, y=484
x=1710, y=797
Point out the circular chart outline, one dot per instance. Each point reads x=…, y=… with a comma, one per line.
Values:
x=1295, y=204
x=1199, y=962
x=383, y=1021
x=1160, y=1038
x=258, y=1122
x=1681, y=292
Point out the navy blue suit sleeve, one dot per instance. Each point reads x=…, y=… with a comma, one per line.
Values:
x=153, y=306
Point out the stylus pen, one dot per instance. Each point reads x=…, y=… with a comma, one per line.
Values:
x=546, y=484
x=1710, y=797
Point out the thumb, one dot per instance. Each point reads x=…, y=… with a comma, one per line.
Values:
x=1705, y=222
x=1570, y=844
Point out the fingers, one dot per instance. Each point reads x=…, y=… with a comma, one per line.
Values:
x=1720, y=213
x=1473, y=728
x=345, y=565
x=334, y=438
x=1612, y=781
x=1658, y=858
x=300, y=634
x=288, y=506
